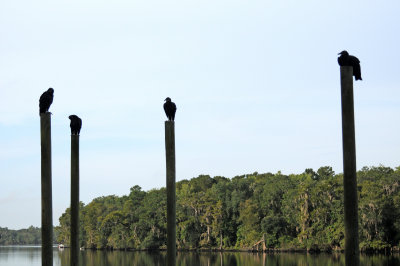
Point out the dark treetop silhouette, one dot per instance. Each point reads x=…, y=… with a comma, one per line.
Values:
x=348, y=60
x=46, y=99
x=76, y=124
x=170, y=109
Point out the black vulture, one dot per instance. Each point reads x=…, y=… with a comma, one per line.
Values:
x=170, y=109
x=46, y=99
x=348, y=60
x=76, y=124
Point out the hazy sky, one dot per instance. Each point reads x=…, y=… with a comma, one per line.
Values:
x=256, y=84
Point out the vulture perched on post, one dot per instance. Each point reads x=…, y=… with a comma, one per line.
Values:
x=76, y=124
x=46, y=99
x=170, y=109
x=348, y=60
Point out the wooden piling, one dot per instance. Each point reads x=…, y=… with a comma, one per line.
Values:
x=352, y=253
x=171, y=196
x=46, y=187
x=74, y=200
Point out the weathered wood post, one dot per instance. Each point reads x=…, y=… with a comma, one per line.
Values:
x=171, y=201
x=352, y=253
x=74, y=200
x=46, y=187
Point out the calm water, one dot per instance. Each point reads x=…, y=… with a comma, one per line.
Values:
x=21, y=256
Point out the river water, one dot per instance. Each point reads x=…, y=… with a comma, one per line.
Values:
x=31, y=256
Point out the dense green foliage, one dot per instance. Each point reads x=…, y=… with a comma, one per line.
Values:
x=287, y=211
x=30, y=236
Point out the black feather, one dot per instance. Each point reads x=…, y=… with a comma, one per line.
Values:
x=76, y=124
x=170, y=109
x=349, y=60
x=46, y=99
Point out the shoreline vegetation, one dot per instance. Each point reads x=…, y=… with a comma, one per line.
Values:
x=28, y=236
x=247, y=213
x=393, y=250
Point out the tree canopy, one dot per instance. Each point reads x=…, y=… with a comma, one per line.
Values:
x=29, y=236
x=284, y=211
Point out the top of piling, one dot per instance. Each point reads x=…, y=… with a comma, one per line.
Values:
x=46, y=114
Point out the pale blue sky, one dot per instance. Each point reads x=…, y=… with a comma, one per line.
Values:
x=256, y=84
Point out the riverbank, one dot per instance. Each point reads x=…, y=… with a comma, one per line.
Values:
x=394, y=250
x=28, y=256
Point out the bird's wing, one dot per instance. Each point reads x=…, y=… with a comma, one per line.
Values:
x=340, y=61
x=354, y=60
x=42, y=97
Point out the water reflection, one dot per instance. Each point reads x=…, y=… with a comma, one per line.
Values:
x=21, y=256
x=108, y=258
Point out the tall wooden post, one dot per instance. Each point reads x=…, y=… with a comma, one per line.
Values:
x=46, y=187
x=74, y=200
x=171, y=201
x=352, y=253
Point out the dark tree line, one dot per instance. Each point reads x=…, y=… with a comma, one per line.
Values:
x=29, y=236
x=283, y=211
